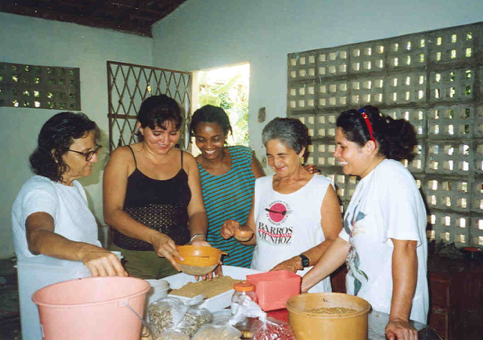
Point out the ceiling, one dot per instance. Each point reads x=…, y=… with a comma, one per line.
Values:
x=130, y=16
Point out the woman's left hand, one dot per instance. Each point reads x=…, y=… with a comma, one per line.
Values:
x=292, y=265
x=311, y=168
x=401, y=330
x=217, y=272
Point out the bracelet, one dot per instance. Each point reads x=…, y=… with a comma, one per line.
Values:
x=195, y=236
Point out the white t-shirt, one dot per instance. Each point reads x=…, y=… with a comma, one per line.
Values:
x=288, y=224
x=386, y=204
x=67, y=205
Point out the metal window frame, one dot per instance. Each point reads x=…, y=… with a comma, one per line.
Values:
x=129, y=85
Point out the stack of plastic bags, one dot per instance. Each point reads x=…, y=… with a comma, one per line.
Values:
x=172, y=319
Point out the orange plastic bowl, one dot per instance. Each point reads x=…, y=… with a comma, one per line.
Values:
x=198, y=260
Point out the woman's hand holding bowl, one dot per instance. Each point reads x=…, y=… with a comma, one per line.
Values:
x=164, y=246
x=228, y=229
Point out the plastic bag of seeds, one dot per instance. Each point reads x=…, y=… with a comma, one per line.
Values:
x=172, y=314
x=165, y=314
x=218, y=332
x=272, y=329
x=171, y=335
x=193, y=320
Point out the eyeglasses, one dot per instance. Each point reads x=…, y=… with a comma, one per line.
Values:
x=90, y=154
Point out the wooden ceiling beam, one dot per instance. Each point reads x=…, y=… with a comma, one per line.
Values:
x=132, y=16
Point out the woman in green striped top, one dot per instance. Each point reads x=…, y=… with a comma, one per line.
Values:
x=228, y=176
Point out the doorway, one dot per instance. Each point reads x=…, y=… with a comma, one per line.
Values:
x=226, y=87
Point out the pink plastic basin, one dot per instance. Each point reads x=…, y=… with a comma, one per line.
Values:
x=93, y=308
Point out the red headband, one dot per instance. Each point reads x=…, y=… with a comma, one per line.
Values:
x=368, y=124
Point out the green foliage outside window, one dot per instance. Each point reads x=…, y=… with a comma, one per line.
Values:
x=231, y=94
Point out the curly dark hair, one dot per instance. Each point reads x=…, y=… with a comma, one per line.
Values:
x=290, y=131
x=55, y=139
x=396, y=138
x=157, y=110
x=210, y=114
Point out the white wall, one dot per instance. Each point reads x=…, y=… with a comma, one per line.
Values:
x=212, y=33
x=199, y=34
x=33, y=41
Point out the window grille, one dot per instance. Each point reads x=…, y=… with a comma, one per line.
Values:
x=434, y=80
x=129, y=85
x=39, y=87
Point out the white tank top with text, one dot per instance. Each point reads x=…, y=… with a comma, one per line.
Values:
x=288, y=224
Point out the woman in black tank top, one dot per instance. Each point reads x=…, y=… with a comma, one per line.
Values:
x=152, y=194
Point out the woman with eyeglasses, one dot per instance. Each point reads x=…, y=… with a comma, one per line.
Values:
x=295, y=214
x=384, y=238
x=152, y=194
x=50, y=215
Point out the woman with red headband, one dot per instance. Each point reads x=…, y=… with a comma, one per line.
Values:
x=383, y=240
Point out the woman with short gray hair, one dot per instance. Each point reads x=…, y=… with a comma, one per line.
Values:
x=295, y=214
x=290, y=132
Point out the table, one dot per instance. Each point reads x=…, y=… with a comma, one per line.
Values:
x=377, y=324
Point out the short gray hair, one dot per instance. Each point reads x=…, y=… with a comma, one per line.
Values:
x=290, y=131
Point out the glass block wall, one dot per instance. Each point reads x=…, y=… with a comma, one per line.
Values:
x=41, y=87
x=434, y=80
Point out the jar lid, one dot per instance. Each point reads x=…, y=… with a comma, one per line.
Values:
x=243, y=286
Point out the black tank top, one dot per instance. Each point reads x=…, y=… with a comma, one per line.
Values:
x=158, y=204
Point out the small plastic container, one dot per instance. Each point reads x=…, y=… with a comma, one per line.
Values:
x=159, y=289
x=243, y=290
x=273, y=289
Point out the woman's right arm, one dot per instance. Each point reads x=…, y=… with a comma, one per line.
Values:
x=114, y=187
x=42, y=239
x=332, y=259
x=230, y=226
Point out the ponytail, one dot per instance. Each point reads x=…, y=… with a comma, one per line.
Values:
x=396, y=138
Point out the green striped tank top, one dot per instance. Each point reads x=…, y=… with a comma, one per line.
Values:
x=229, y=197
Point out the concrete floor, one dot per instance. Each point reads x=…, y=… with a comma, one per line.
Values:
x=9, y=302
